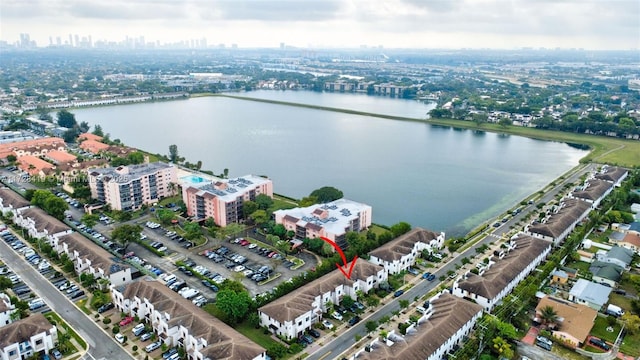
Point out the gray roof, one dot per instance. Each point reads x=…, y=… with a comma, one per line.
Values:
x=613, y=174
x=606, y=270
x=496, y=278
x=616, y=236
x=634, y=226
x=403, y=244
x=10, y=197
x=126, y=174
x=620, y=253
x=595, y=190
x=23, y=330
x=558, y=222
x=589, y=291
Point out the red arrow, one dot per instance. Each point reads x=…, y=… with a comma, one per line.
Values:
x=342, y=268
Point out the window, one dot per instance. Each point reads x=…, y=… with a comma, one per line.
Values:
x=38, y=342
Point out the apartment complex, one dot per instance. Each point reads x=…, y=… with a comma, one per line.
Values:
x=25, y=338
x=222, y=199
x=445, y=324
x=35, y=147
x=402, y=252
x=178, y=322
x=560, y=222
x=331, y=220
x=501, y=275
x=129, y=187
x=291, y=315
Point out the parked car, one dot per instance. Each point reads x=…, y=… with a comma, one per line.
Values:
x=105, y=307
x=315, y=333
x=56, y=354
x=398, y=293
x=354, y=320
x=126, y=321
x=336, y=315
x=119, y=338
x=153, y=346
x=426, y=275
x=327, y=324
x=146, y=336
x=599, y=343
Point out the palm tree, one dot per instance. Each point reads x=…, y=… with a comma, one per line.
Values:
x=549, y=316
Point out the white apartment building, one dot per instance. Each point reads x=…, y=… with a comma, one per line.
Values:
x=402, y=252
x=561, y=222
x=521, y=256
x=24, y=338
x=178, y=322
x=291, y=315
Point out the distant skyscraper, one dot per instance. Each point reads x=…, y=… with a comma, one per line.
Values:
x=282, y=46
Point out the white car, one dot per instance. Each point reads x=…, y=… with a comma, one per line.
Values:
x=336, y=315
x=238, y=268
x=252, y=246
x=327, y=324
x=119, y=338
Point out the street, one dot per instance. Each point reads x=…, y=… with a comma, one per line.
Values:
x=101, y=344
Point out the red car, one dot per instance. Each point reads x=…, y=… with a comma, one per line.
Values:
x=244, y=243
x=126, y=321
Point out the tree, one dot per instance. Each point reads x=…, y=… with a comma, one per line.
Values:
x=97, y=130
x=165, y=216
x=248, y=208
x=232, y=229
x=11, y=158
x=90, y=219
x=135, y=157
x=502, y=348
x=308, y=201
x=371, y=326
x=404, y=303
x=192, y=230
x=234, y=305
x=264, y=201
x=70, y=135
x=504, y=122
x=43, y=113
x=347, y=302
x=173, y=153
x=479, y=119
x=259, y=217
x=55, y=207
x=327, y=194
x=400, y=228
x=5, y=283
x=276, y=350
x=83, y=126
x=126, y=234
x=632, y=322
x=548, y=315
x=66, y=119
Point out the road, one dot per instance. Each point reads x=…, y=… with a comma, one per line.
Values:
x=346, y=339
x=101, y=345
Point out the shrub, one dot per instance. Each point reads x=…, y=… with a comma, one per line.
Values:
x=106, y=321
x=115, y=329
x=135, y=348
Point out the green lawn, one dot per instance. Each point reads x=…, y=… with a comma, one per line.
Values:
x=631, y=345
x=281, y=204
x=257, y=335
x=581, y=266
x=600, y=329
x=620, y=300
x=378, y=230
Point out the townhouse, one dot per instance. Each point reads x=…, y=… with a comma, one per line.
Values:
x=178, y=322
x=127, y=188
x=40, y=225
x=631, y=241
x=504, y=271
x=93, y=146
x=6, y=309
x=90, y=258
x=590, y=294
x=223, y=199
x=331, y=220
x=445, y=325
x=11, y=202
x=402, y=252
x=574, y=320
x=613, y=174
x=561, y=222
x=291, y=315
x=594, y=190
x=34, y=166
x=31, y=336
x=60, y=157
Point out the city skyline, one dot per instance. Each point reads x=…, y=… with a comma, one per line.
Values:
x=498, y=24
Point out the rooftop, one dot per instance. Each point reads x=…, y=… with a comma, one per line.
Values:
x=44, y=221
x=300, y=301
x=496, y=278
x=589, y=291
x=404, y=244
x=633, y=239
x=33, y=165
x=93, y=146
x=22, y=330
x=227, y=189
x=87, y=249
x=89, y=136
x=606, y=270
x=569, y=212
x=61, y=156
x=334, y=216
x=450, y=313
x=10, y=197
x=576, y=319
x=9, y=148
x=223, y=341
x=613, y=173
x=595, y=190
x=126, y=174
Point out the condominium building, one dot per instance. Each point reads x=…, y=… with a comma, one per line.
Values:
x=223, y=199
x=129, y=187
x=31, y=336
x=331, y=220
x=291, y=315
x=178, y=322
x=402, y=252
x=560, y=222
x=503, y=272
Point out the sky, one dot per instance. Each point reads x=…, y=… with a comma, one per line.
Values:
x=449, y=24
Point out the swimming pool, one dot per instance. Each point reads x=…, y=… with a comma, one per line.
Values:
x=193, y=179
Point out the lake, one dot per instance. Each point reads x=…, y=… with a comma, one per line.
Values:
x=440, y=178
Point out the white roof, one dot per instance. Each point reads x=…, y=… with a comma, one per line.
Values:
x=592, y=292
x=340, y=214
